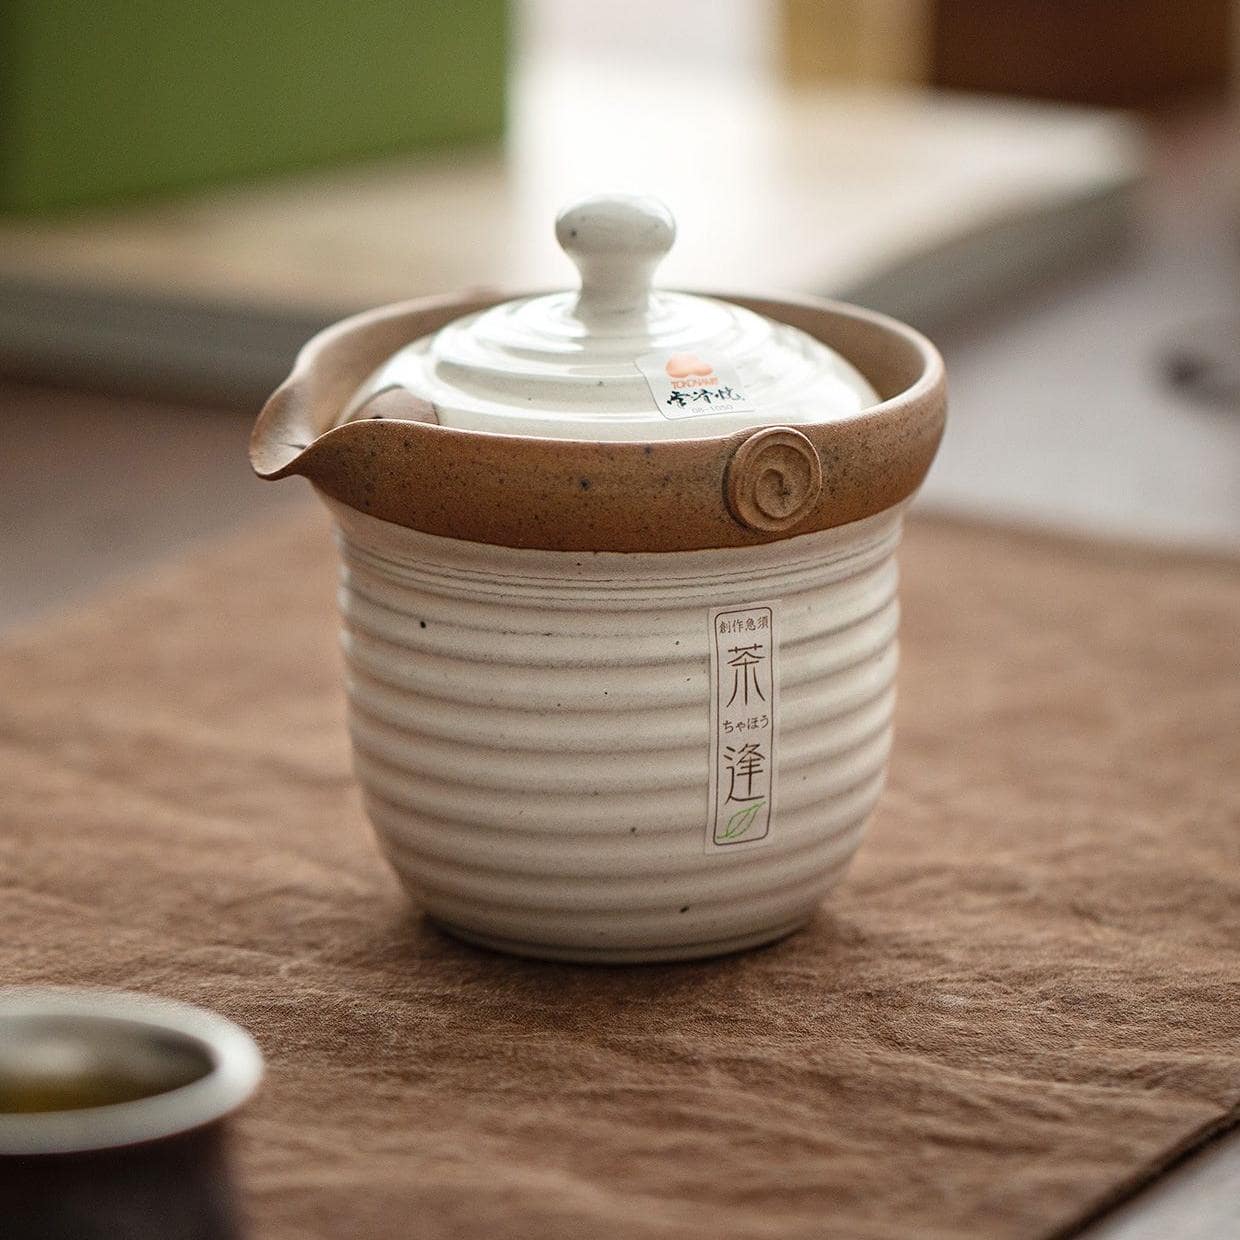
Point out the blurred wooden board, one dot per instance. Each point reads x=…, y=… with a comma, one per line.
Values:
x=905, y=200
x=1136, y=54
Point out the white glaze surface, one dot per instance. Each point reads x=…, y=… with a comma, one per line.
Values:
x=531, y=731
x=565, y=365
x=52, y=1031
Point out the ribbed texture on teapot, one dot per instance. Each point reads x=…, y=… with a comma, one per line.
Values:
x=530, y=731
x=531, y=362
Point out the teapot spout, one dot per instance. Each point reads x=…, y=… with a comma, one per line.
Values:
x=278, y=441
x=297, y=431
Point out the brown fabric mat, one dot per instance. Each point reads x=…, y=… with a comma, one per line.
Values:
x=1021, y=1002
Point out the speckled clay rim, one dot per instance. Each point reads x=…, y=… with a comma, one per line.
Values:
x=581, y=495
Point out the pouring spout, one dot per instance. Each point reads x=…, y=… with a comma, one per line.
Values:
x=278, y=442
x=297, y=428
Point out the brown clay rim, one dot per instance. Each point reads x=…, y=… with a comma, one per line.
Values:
x=582, y=495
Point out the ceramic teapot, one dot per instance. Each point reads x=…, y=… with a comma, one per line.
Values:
x=618, y=592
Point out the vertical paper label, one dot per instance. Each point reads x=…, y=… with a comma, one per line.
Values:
x=686, y=385
x=744, y=724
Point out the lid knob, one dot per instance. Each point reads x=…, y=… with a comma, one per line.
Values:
x=616, y=241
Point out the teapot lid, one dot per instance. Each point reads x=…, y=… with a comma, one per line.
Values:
x=615, y=359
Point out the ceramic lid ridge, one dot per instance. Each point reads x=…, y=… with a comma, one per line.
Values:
x=617, y=359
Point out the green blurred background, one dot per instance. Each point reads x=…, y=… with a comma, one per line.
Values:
x=119, y=98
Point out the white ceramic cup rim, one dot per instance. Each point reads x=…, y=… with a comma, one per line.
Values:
x=236, y=1067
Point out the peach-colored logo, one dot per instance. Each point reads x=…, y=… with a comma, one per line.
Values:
x=688, y=370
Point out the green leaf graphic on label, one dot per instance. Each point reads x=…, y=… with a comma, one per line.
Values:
x=741, y=821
